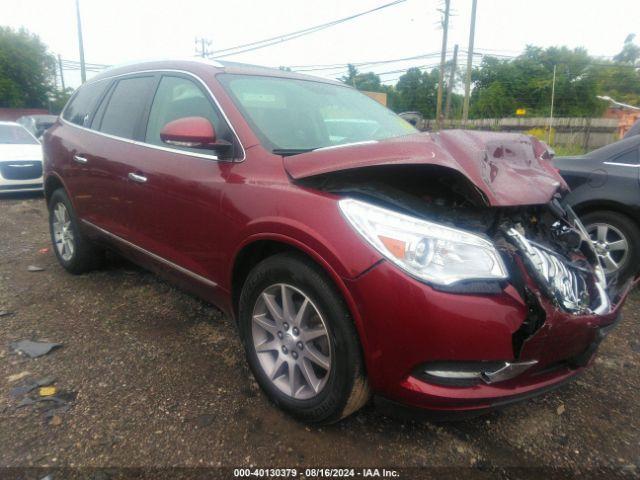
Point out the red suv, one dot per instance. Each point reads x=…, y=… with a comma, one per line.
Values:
x=441, y=271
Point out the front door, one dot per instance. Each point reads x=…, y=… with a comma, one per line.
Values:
x=174, y=192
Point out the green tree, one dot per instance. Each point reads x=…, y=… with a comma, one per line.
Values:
x=369, y=82
x=620, y=79
x=501, y=86
x=59, y=99
x=27, y=70
x=417, y=91
x=630, y=53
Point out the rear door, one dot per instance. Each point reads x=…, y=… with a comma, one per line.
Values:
x=73, y=144
x=118, y=122
x=175, y=192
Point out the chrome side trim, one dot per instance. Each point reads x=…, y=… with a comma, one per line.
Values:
x=158, y=147
x=343, y=145
x=623, y=164
x=158, y=258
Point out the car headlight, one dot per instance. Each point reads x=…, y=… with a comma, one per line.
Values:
x=428, y=251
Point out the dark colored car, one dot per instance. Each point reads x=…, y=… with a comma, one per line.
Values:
x=605, y=192
x=358, y=256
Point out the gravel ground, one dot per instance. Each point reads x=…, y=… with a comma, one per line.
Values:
x=155, y=378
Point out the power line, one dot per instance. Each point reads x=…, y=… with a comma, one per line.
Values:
x=247, y=47
x=314, y=68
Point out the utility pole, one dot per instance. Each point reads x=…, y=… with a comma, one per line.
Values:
x=452, y=79
x=205, y=43
x=61, y=72
x=553, y=94
x=467, y=82
x=443, y=57
x=83, y=71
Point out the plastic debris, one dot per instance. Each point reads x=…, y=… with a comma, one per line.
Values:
x=47, y=391
x=31, y=385
x=5, y=313
x=34, y=349
x=18, y=376
x=560, y=409
x=44, y=250
x=35, y=268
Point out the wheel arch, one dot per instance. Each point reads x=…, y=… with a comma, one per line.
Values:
x=260, y=247
x=51, y=184
x=590, y=206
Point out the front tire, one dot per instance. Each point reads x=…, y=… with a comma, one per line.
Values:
x=616, y=238
x=74, y=251
x=300, y=340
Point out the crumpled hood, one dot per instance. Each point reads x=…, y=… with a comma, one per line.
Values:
x=508, y=168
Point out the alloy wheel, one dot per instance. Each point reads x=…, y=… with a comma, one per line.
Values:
x=291, y=341
x=611, y=246
x=62, y=232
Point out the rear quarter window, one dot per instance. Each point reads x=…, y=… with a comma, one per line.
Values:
x=81, y=105
x=126, y=106
x=630, y=157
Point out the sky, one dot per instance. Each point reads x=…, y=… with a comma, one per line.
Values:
x=124, y=31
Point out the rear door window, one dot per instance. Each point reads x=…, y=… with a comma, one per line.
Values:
x=126, y=106
x=178, y=97
x=80, y=107
x=630, y=157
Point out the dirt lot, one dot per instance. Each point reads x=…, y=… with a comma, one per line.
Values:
x=154, y=377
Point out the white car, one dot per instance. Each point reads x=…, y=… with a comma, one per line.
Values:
x=20, y=159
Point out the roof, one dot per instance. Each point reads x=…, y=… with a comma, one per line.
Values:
x=203, y=65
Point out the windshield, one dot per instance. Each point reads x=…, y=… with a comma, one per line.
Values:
x=16, y=134
x=292, y=116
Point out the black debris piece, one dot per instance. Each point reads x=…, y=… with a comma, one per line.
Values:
x=30, y=385
x=34, y=349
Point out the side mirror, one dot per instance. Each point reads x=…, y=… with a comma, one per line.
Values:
x=192, y=132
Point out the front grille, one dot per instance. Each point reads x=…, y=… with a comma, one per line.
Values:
x=562, y=282
x=21, y=170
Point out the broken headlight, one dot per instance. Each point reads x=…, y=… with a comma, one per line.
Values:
x=428, y=251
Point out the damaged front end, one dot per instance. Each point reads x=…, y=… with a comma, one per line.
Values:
x=570, y=281
x=544, y=247
x=545, y=258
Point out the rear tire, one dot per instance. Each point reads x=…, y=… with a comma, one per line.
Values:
x=74, y=251
x=615, y=227
x=312, y=393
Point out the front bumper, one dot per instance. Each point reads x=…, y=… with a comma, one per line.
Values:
x=22, y=187
x=406, y=324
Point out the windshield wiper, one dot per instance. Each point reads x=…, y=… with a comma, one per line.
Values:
x=286, y=152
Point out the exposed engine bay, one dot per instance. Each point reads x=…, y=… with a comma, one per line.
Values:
x=544, y=245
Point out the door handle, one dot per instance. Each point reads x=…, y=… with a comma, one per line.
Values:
x=137, y=178
x=80, y=159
